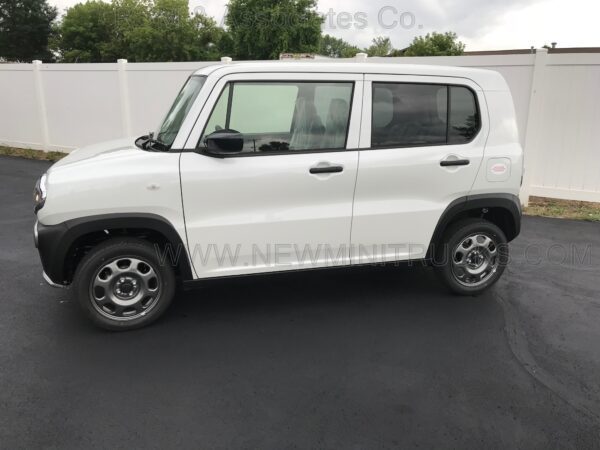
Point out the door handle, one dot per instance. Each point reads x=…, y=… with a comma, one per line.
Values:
x=454, y=162
x=326, y=169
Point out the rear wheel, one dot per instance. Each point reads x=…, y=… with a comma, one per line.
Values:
x=121, y=285
x=474, y=256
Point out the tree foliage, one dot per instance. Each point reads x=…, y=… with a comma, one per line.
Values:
x=337, y=48
x=25, y=28
x=435, y=44
x=262, y=29
x=86, y=33
x=381, y=46
x=164, y=30
x=138, y=30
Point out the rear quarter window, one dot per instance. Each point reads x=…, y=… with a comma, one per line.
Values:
x=464, y=116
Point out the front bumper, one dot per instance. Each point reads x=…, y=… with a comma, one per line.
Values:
x=50, y=244
x=36, y=241
x=35, y=234
x=52, y=283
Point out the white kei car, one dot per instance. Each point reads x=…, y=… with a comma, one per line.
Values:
x=269, y=167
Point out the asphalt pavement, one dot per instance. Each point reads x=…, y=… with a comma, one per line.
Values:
x=338, y=359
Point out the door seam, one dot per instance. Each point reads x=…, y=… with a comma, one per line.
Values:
x=362, y=107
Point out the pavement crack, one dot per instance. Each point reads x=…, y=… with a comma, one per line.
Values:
x=519, y=347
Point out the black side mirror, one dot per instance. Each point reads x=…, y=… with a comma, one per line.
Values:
x=224, y=142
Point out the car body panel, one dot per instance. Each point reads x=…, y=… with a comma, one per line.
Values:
x=114, y=178
x=266, y=213
x=402, y=192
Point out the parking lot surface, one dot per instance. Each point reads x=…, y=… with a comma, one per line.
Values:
x=349, y=359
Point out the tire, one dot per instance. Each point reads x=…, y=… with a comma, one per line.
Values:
x=474, y=253
x=121, y=285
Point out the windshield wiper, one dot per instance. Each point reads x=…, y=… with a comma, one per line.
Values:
x=149, y=143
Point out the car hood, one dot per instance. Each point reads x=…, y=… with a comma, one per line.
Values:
x=104, y=149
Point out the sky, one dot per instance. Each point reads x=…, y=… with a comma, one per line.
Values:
x=480, y=24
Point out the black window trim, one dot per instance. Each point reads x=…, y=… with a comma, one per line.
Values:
x=228, y=112
x=229, y=84
x=448, y=86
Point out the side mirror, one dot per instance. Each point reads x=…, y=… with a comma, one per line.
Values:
x=224, y=142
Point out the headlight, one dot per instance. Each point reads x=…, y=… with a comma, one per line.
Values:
x=39, y=194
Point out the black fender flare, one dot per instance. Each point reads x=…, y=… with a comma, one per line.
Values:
x=55, y=241
x=509, y=202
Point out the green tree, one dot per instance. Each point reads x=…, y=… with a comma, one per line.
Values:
x=262, y=29
x=132, y=22
x=381, y=46
x=25, y=28
x=337, y=48
x=86, y=33
x=435, y=44
x=138, y=30
x=171, y=34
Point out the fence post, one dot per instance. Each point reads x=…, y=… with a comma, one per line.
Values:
x=533, y=129
x=124, y=97
x=41, y=104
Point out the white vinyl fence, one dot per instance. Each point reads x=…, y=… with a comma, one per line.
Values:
x=557, y=101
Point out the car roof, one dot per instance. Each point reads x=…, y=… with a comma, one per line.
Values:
x=488, y=80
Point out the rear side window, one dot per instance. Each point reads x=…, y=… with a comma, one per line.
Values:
x=408, y=114
x=411, y=114
x=275, y=116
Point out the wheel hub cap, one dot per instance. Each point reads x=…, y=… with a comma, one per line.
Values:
x=475, y=259
x=125, y=288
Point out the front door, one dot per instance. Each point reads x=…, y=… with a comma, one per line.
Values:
x=285, y=201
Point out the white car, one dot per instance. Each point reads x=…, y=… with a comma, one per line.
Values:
x=269, y=167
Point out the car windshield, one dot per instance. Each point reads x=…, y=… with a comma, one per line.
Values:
x=181, y=106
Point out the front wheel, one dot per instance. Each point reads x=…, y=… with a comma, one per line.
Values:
x=121, y=284
x=473, y=254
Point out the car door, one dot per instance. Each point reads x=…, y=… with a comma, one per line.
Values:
x=285, y=201
x=422, y=144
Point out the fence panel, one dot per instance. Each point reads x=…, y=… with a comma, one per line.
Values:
x=64, y=106
x=82, y=103
x=19, y=119
x=567, y=163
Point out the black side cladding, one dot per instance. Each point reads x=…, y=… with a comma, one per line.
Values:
x=55, y=241
x=507, y=202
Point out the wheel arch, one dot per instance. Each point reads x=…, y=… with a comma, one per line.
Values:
x=504, y=210
x=62, y=246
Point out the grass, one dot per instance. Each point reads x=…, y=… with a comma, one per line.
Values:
x=31, y=154
x=538, y=206
x=563, y=209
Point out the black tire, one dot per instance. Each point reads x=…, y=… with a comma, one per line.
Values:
x=155, y=284
x=448, y=253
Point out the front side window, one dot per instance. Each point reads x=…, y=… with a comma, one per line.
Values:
x=411, y=114
x=181, y=106
x=275, y=116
